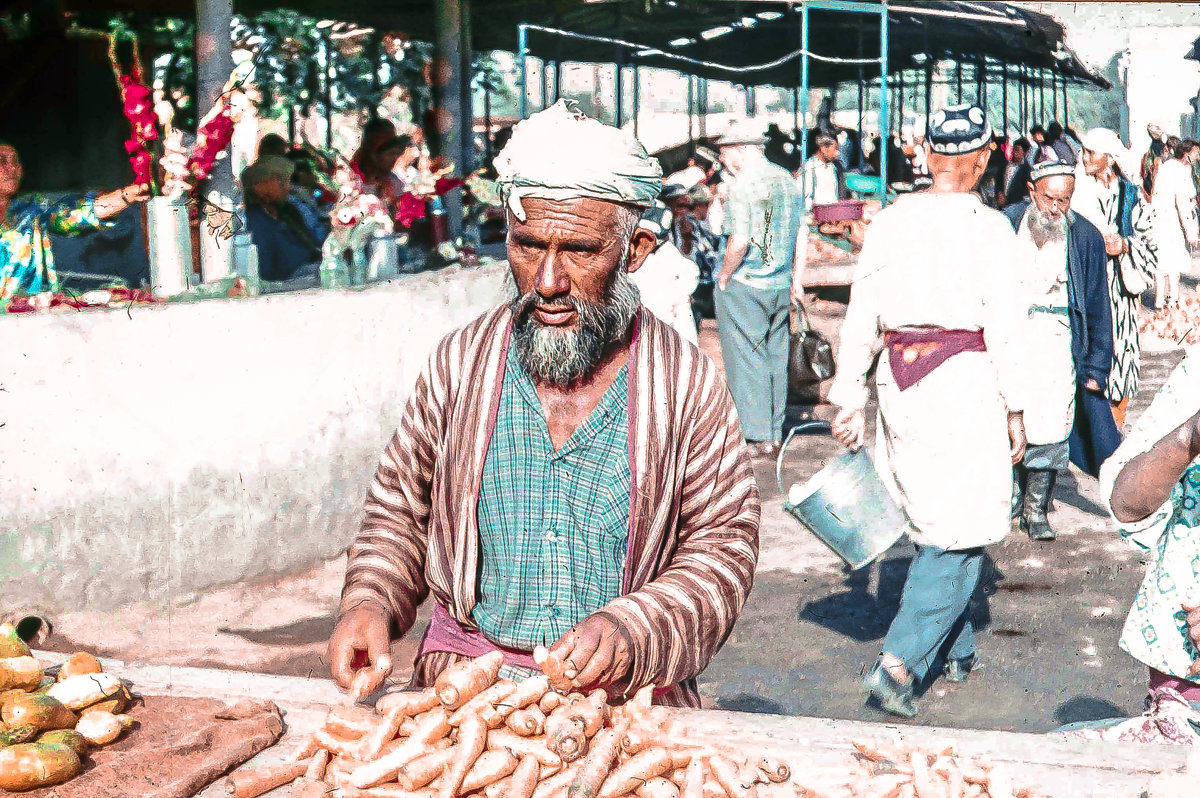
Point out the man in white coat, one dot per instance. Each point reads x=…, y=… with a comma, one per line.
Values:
x=668, y=278
x=935, y=280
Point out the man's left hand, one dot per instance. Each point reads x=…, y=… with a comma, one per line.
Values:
x=137, y=192
x=1016, y=437
x=1193, y=622
x=597, y=651
x=1092, y=385
x=1114, y=245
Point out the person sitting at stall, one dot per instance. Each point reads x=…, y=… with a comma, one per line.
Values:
x=273, y=144
x=374, y=132
x=26, y=222
x=823, y=181
x=309, y=197
x=567, y=472
x=379, y=170
x=287, y=248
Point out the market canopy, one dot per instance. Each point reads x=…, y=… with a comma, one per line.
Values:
x=744, y=41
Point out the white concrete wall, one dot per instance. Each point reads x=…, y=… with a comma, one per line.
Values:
x=1161, y=81
x=161, y=451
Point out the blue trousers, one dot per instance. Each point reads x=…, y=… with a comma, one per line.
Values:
x=753, y=326
x=934, y=616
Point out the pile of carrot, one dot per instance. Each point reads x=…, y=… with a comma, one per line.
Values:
x=48, y=724
x=899, y=771
x=475, y=735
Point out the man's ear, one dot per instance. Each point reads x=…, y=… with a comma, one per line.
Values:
x=640, y=247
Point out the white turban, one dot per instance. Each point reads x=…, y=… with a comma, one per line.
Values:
x=1103, y=141
x=561, y=153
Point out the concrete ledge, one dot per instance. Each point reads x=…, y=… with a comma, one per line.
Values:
x=162, y=451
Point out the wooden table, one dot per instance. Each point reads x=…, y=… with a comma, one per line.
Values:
x=1053, y=767
x=829, y=273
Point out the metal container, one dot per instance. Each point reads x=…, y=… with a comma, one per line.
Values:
x=845, y=505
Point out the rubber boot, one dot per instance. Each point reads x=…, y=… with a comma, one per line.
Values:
x=1020, y=473
x=1039, y=488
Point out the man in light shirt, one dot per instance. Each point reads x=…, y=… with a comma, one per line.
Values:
x=822, y=180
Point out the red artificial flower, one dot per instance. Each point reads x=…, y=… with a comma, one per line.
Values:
x=443, y=185
x=409, y=209
x=212, y=139
x=132, y=146
x=142, y=162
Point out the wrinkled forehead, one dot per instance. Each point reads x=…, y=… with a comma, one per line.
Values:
x=582, y=214
x=1056, y=186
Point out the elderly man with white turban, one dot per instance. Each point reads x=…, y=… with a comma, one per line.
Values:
x=1067, y=329
x=568, y=471
x=1109, y=199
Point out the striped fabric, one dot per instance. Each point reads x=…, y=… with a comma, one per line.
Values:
x=552, y=524
x=694, y=505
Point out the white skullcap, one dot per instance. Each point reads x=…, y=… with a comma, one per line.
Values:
x=561, y=153
x=1105, y=142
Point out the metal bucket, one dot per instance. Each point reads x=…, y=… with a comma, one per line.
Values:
x=845, y=505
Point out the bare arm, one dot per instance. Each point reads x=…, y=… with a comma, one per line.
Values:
x=1146, y=482
x=110, y=204
x=735, y=252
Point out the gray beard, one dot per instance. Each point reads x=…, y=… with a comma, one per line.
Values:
x=1044, y=229
x=562, y=358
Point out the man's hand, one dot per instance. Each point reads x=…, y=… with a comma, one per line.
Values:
x=850, y=428
x=797, y=291
x=363, y=629
x=597, y=653
x=724, y=277
x=1193, y=622
x=1093, y=386
x=1016, y=436
x=1114, y=245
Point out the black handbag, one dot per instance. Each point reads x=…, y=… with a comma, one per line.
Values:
x=810, y=360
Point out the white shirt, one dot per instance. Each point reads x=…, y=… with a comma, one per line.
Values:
x=689, y=177
x=666, y=282
x=1174, y=207
x=819, y=183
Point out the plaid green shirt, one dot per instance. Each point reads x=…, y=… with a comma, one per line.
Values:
x=553, y=526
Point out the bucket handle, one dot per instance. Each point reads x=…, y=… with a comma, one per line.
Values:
x=804, y=427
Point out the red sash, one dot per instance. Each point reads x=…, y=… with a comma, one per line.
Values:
x=914, y=354
x=447, y=634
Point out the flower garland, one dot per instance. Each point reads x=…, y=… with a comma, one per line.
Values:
x=138, y=104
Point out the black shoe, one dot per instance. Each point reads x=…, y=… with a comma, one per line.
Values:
x=957, y=670
x=893, y=696
x=1018, y=494
x=1034, y=519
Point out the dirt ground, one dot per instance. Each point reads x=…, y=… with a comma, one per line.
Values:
x=1049, y=615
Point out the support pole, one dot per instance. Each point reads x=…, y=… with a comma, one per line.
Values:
x=1066, y=106
x=637, y=97
x=451, y=119
x=861, y=101
x=557, y=81
x=619, y=93
x=691, y=107
x=958, y=79
x=885, y=133
x=327, y=87
x=981, y=84
x=523, y=68
x=804, y=76
x=1054, y=92
x=214, y=63
x=1004, y=95
x=928, y=89
x=702, y=94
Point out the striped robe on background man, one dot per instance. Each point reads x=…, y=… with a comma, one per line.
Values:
x=694, y=507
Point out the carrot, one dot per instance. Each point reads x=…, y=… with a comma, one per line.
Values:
x=307, y=750
x=317, y=765
x=392, y=791
x=484, y=705
x=775, y=771
x=593, y=711
x=726, y=774
x=658, y=788
x=506, y=740
x=433, y=726
x=999, y=784
x=597, y=766
x=527, y=722
x=489, y=768
x=349, y=721
x=528, y=693
x=409, y=703
x=551, y=701
x=368, y=680
x=424, y=769
x=464, y=680
x=337, y=745
x=384, y=731
x=472, y=741
x=712, y=789
x=565, y=734
x=678, y=777
x=307, y=788
x=557, y=785
x=251, y=783
x=524, y=779
x=553, y=666
x=635, y=772
x=497, y=788
x=693, y=779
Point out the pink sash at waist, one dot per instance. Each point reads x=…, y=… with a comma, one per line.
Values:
x=914, y=354
x=448, y=635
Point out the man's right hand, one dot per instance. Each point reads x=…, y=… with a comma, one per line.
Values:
x=850, y=428
x=1114, y=245
x=364, y=629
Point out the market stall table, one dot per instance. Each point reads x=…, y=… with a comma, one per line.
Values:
x=1053, y=767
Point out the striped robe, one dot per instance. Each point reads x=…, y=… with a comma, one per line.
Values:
x=693, y=516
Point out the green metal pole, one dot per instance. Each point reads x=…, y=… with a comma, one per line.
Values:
x=803, y=132
x=885, y=133
x=522, y=68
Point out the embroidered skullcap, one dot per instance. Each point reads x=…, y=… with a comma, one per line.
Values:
x=658, y=220
x=1051, y=169
x=743, y=131
x=561, y=153
x=959, y=129
x=673, y=191
x=1105, y=142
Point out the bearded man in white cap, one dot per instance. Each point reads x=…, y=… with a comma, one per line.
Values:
x=1060, y=266
x=1109, y=199
x=567, y=472
x=935, y=282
